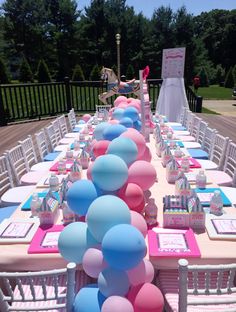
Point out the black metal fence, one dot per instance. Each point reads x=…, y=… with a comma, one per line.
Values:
x=36, y=100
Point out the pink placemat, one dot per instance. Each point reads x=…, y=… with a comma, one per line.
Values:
x=193, y=163
x=45, y=240
x=69, y=164
x=165, y=242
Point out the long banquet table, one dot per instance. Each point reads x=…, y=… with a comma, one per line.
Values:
x=14, y=257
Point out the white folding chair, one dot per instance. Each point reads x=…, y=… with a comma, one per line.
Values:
x=20, y=167
x=62, y=124
x=201, y=132
x=195, y=126
x=31, y=158
x=38, y=291
x=53, y=140
x=58, y=134
x=11, y=195
x=196, y=288
x=227, y=177
x=44, y=154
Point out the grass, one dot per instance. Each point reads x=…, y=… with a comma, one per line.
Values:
x=214, y=92
x=208, y=111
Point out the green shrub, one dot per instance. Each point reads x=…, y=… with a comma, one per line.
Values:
x=25, y=71
x=3, y=72
x=220, y=74
x=204, y=81
x=95, y=73
x=130, y=73
x=43, y=74
x=229, y=79
x=78, y=74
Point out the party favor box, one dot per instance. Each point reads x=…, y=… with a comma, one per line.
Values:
x=48, y=211
x=175, y=212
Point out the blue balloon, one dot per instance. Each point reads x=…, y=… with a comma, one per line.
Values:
x=74, y=240
x=112, y=282
x=109, y=172
x=125, y=148
x=138, y=125
x=81, y=122
x=132, y=113
x=123, y=247
x=89, y=299
x=105, y=212
x=127, y=122
x=98, y=131
x=118, y=113
x=113, y=131
x=80, y=195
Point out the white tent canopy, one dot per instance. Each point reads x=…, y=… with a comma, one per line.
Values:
x=172, y=99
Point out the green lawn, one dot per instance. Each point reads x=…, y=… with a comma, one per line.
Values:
x=215, y=92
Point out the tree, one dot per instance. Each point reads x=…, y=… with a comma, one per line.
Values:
x=130, y=73
x=3, y=72
x=43, y=74
x=95, y=73
x=220, y=74
x=204, y=82
x=78, y=74
x=229, y=79
x=25, y=71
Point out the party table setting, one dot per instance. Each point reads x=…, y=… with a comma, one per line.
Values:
x=121, y=205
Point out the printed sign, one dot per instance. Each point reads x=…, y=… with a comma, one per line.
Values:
x=173, y=63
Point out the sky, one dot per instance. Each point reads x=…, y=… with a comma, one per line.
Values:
x=194, y=7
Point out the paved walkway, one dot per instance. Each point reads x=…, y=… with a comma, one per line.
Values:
x=223, y=107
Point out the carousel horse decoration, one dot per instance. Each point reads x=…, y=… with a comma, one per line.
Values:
x=114, y=86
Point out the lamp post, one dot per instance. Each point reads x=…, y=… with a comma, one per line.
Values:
x=118, y=36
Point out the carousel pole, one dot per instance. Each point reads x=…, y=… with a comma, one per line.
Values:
x=118, y=36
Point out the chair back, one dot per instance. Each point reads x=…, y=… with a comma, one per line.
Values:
x=18, y=162
x=205, y=285
x=62, y=125
x=209, y=139
x=230, y=161
x=41, y=142
x=72, y=119
x=183, y=116
x=51, y=136
x=56, y=128
x=29, y=150
x=195, y=126
x=6, y=180
x=218, y=152
x=38, y=291
x=189, y=121
x=201, y=132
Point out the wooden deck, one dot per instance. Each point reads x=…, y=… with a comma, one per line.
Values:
x=11, y=134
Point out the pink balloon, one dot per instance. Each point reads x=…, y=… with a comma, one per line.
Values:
x=139, y=208
x=100, y=147
x=142, y=173
x=117, y=304
x=114, y=121
x=93, y=262
x=122, y=105
x=147, y=155
x=146, y=298
x=138, y=221
x=120, y=99
x=138, y=139
x=86, y=117
x=132, y=194
x=89, y=170
x=142, y=273
x=129, y=100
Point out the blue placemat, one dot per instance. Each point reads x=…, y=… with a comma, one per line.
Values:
x=179, y=143
x=226, y=201
x=26, y=205
x=178, y=128
x=81, y=144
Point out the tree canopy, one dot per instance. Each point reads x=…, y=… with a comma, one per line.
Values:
x=58, y=32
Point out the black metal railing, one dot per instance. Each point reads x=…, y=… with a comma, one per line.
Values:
x=36, y=100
